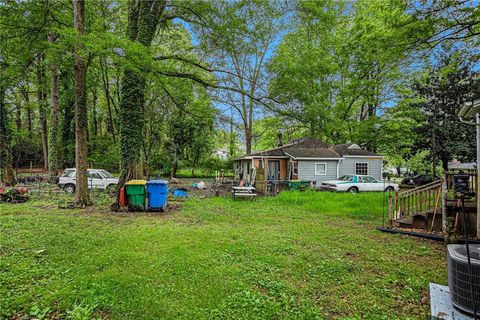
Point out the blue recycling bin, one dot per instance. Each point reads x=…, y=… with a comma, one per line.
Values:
x=157, y=191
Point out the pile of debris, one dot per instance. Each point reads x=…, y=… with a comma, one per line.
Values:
x=13, y=195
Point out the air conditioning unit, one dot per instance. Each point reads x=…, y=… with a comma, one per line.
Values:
x=458, y=277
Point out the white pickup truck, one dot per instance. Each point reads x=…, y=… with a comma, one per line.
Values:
x=97, y=179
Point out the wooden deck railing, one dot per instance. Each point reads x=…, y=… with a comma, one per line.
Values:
x=421, y=199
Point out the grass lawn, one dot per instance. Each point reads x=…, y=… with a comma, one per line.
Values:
x=298, y=255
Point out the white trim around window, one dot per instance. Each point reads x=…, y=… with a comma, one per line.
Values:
x=295, y=168
x=356, y=170
x=320, y=172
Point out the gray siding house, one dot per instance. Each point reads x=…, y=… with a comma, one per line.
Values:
x=310, y=159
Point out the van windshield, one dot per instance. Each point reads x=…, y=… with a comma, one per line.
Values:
x=68, y=173
x=106, y=174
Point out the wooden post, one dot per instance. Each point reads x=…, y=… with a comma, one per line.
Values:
x=396, y=204
x=390, y=207
x=407, y=204
x=435, y=209
x=420, y=198
x=444, y=203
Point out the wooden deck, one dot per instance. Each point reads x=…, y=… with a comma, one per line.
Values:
x=430, y=205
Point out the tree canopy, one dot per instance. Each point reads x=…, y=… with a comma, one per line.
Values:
x=148, y=87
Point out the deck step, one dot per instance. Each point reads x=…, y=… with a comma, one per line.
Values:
x=413, y=219
x=403, y=223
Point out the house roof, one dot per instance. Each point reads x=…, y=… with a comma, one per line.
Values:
x=352, y=149
x=311, y=148
x=457, y=165
x=469, y=109
x=311, y=152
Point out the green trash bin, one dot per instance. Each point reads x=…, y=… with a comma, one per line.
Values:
x=304, y=185
x=298, y=184
x=293, y=184
x=135, y=190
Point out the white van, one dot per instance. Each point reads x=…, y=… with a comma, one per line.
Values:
x=97, y=179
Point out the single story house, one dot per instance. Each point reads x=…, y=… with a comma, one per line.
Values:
x=310, y=159
x=221, y=154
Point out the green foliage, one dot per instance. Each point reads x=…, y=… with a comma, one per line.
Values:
x=266, y=132
x=190, y=133
x=443, y=90
x=338, y=65
x=335, y=70
x=103, y=153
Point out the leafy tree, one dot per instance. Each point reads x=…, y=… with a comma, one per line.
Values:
x=250, y=29
x=6, y=168
x=190, y=131
x=447, y=22
x=143, y=19
x=341, y=66
x=444, y=88
x=397, y=132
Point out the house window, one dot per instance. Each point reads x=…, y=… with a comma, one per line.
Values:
x=295, y=168
x=94, y=175
x=361, y=168
x=320, y=169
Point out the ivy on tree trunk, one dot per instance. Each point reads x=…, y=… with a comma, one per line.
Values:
x=6, y=168
x=143, y=18
x=42, y=101
x=82, y=196
x=53, y=136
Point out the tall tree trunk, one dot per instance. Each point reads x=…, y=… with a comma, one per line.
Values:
x=232, y=147
x=248, y=139
x=105, y=80
x=195, y=162
x=94, y=113
x=42, y=101
x=174, y=170
x=82, y=196
x=53, y=141
x=29, y=121
x=444, y=159
x=26, y=98
x=6, y=168
x=108, y=98
x=18, y=120
x=143, y=18
x=68, y=130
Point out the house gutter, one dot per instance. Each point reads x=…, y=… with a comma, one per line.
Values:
x=338, y=168
x=307, y=158
x=351, y=156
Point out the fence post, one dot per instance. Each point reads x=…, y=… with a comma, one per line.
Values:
x=390, y=208
x=396, y=204
x=444, y=203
